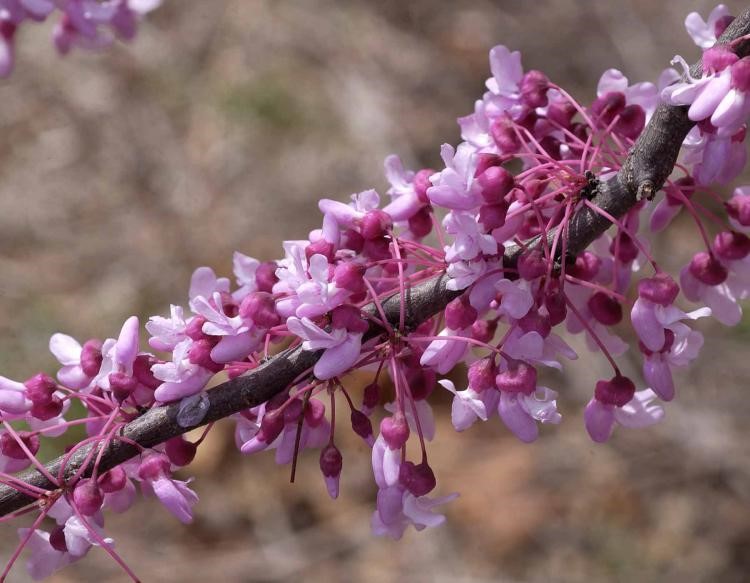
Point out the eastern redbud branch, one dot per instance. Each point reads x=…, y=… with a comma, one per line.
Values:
x=649, y=163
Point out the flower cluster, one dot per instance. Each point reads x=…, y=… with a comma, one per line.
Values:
x=87, y=24
x=531, y=159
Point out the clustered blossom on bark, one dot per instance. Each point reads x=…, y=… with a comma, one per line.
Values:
x=531, y=157
x=86, y=24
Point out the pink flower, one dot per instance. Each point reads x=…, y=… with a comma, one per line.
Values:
x=182, y=378
x=467, y=407
x=705, y=33
x=600, y=418
x=154, y=473
x=397, y=508
x=455, y=187
x=341, y=347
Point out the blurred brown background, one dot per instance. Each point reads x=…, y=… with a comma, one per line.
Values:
x=218, y=129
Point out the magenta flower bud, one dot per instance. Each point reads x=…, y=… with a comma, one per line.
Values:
x=87, y=497
x=632, y=121
x=460, y=314
x=605, y=308
x=371, y=396
x=532, y=264
x=485, y=161
x=122, y=385
x=377, y=249
x=608, y=106
x=496, y=183
x=321, y=247
x=362, y=426
x=623, y=248
x=561, y=113
x=483, y=330
x=315, y=412
x=421, y=382
x=40, y=388
x=351, y=239
x=9, y=447
x=420, y=223
x=350, y=276
x=684, y=186
x=265, y=276
x=260, y=308
x=271, y=427
x=154, y=466
x=194, y=328
x=180, y=451
x=534, y=86
x=660, y=289
x=349, y=318
x=331, y=464
x=57, y=539
x=519, y=378
x=91, y=357
x=113, y=481
x=48, y=410
x=417, y=479
x=492, y=216
x=617, y=391
x=422, y=183
x=395, y=430
x=481, y=375
x=142, y=371
x=200, y=354
x=556, y=307
x=707, y=269
x=731, y=245
x=717, y=58
x=741, y=74
x=375, y=224
x=533, y=321
x=505, y=137
x=739, y=209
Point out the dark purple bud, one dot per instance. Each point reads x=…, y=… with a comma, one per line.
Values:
x=617, y=391
x=420, y=223
x=180, y=451
x=460, y=314
x=534, y=86
x=371, y=396
x=669, y=339
x=519, y=378
x=731, y=245
x=417, y=479
x=331, y=461
x=48, y=410
x=361, y=425
x=532, y=264
x=154, y=466
x=632, y=121
x=561, y=113
x=660, y=289
x=200, y=354
x=483, y=330
x=350, y=276
x=57, y=539
x=40, y=388
x=717, y=58
x=556, y=308
x=375, y=224
x=707, y=269
x=496, y=183
x=533, y=321
x=421, y=382
x=122, y=385
x=271, y=427
x=395, y=430
x=12, y=449
x=422, y=183
x=350, y=318
x=605, y=308
x=505, y=137
x=492, y=216
x=551, y=145
x=482, y=375
x=261, y=309
x=623, y=248
x=265, y=276
x=351, y=239
x=608, y=106
x=91, y=357
x=321, y=247
x=87, y=497
x=377, y=249
x=113, y=481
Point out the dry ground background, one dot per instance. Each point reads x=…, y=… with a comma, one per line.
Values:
x=217, y=130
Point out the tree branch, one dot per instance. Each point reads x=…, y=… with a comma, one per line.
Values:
x=648, y=165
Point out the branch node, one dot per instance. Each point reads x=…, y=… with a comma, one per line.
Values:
x=647, y=190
